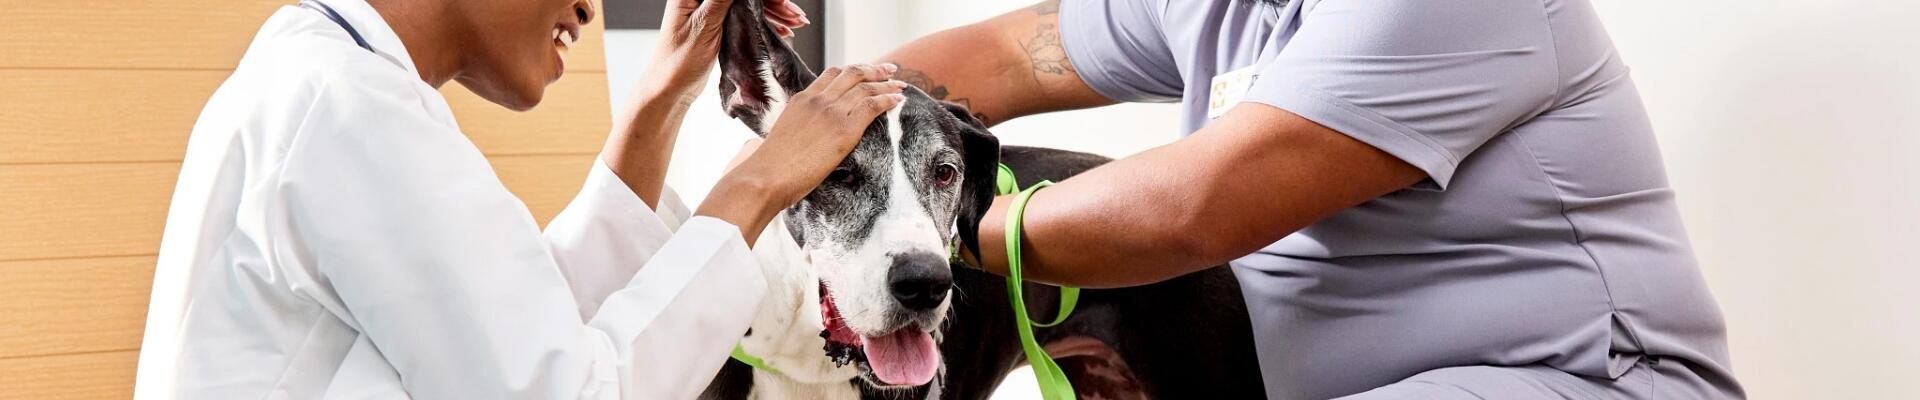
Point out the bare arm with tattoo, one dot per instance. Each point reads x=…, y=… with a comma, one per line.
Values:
x=1014, y=66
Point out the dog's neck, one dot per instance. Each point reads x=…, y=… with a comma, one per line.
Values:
x=768, y=385
x=786, y=332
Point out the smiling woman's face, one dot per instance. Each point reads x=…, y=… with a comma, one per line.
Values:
x=517, y=47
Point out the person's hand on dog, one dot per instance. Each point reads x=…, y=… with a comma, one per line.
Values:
x=814, y=132
x=821, y=124
x=690, y=41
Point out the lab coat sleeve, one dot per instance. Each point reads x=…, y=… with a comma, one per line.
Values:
x=606, y=226
x=602, y=230
x=450, y=277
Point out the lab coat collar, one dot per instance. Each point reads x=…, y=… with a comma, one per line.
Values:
x=374, y=29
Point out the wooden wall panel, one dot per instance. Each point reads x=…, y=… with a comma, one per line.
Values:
x=80, y=116
x=92, y=128
x=72, y=305
x=66, y=306
x=118, y=209
x=107, y=375
x=83, y=210
x=89, y=116
x=163, y=34
x=121, y=34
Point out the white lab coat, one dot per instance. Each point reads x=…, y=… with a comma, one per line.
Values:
x=334, y=235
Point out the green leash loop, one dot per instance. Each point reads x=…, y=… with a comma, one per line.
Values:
x=1068, y=295
x=1053, y=381
x=1005, y=184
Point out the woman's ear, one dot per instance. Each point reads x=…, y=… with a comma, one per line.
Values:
x=758, y=70
x=980, y=154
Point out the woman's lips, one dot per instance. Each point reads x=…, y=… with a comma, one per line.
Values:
x=564, y=36
x=559, y=65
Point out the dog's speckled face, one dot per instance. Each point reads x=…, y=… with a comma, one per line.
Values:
x=878, y=230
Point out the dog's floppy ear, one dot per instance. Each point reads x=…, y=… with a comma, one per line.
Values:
x=758, y=70
x=980, y=151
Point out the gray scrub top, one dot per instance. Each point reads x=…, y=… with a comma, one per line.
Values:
x=1546, y=232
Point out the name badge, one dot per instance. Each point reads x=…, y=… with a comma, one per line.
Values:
x=1227, y=90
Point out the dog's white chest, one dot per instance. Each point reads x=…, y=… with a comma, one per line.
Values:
x=774, y=387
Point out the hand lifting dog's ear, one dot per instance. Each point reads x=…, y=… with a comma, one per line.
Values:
x=980, y=151
x=757, y=68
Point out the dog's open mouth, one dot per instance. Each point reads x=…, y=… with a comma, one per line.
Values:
x=906, y=357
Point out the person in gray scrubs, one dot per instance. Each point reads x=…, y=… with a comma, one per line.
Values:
x=1441, y=199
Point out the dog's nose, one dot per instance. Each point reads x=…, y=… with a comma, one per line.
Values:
x=919, y=280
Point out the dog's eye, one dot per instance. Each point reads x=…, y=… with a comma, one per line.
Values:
x=944, y=174
x=843, y=176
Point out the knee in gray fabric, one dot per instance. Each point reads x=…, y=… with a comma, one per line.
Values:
x=1527, y=382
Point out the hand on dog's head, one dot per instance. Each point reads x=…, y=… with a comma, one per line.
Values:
x=752, y=53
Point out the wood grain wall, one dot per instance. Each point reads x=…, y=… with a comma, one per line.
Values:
x=97, y=98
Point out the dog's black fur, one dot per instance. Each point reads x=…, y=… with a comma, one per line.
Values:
x=1188, y=337
x=1183, y=338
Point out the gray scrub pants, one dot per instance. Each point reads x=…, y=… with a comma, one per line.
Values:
x=1652, y=378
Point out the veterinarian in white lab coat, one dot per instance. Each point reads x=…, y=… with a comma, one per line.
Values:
x=334, y=235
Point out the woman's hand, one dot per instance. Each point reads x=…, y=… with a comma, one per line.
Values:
x=821, y=124
x=690, y=41
x=815, y=131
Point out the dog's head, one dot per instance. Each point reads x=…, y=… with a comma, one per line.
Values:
x=879, y=229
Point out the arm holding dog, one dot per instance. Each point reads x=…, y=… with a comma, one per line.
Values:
x=1139, y=219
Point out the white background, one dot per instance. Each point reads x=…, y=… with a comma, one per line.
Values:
x=1790, y=129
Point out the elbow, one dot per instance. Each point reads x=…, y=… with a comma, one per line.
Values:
x=1198, y=244
x=1172, y=245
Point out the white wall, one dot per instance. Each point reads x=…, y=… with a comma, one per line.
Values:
x=1792, y=132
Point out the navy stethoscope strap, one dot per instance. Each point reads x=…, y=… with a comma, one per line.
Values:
x=338, y=20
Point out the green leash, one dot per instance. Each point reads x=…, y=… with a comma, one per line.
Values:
x=1052, y=380
x=1005, y=184
x=740, y=354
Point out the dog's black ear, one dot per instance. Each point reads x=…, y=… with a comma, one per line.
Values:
x=980, y=151
x=757, y=67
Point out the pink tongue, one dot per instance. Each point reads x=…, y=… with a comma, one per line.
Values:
x=906, y=357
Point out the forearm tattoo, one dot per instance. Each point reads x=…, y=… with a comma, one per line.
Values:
x=1045, y=52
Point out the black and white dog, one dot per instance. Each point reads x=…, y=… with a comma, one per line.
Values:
x=869, y=307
